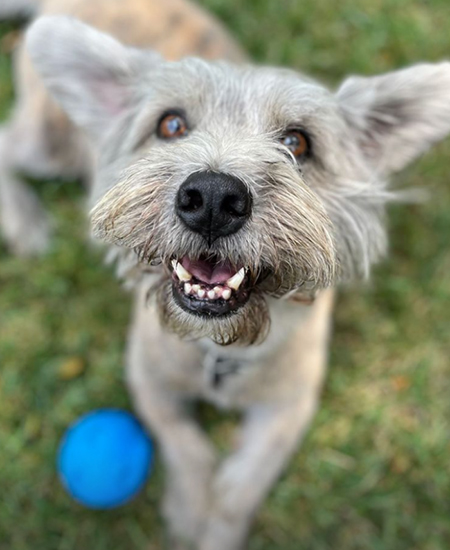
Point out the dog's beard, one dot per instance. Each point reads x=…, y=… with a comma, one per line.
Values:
x=248, y=325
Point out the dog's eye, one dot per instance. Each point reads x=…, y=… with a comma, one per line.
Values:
x=297, y=142
x=171, y=126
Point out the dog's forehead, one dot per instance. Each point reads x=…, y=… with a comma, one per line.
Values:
x=242, y=92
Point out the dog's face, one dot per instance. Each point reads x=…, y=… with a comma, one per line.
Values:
x=239, y=183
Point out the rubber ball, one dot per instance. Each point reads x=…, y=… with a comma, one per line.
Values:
x=105, y=458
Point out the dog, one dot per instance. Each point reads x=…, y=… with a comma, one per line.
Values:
x=234, y=200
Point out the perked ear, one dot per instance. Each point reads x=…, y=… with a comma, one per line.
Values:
x=90, y=74
x=399, y=115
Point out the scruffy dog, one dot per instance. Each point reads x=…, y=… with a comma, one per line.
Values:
x=234, y=197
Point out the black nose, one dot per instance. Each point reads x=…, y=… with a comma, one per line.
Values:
x=213, y=204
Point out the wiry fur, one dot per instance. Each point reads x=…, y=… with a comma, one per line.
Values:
x=316, y=221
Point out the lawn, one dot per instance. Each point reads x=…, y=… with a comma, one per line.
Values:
x=374, y=471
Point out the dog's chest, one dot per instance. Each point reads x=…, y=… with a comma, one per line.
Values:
x=236, y=383
x=237, y=377
x=226, y=380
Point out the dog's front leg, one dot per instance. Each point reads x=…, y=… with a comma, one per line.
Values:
x=272, y=429
x=188, y=455
x=269, y=436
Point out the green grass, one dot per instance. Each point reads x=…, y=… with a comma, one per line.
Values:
x=373, y=473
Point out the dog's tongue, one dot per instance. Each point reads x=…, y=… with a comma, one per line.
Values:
x=208, y=271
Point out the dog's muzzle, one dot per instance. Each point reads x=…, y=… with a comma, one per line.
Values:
x=213, y=205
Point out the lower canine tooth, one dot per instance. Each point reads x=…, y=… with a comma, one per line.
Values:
x=226, y=294
x=236, y=281
x=187, y=288
x=211, y=294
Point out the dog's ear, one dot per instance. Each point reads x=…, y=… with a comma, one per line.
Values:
x=90, y=74
x=399, y=115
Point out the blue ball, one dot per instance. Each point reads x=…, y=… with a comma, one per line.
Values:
x=105, y=458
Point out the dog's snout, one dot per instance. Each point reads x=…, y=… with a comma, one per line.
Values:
x=213, y=204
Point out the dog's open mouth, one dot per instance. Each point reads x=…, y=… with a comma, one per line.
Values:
x=209, y=287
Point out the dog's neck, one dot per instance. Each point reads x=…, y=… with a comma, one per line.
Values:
x=285, y=318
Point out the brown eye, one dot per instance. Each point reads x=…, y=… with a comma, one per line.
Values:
x=172, y=126
x=296, y=142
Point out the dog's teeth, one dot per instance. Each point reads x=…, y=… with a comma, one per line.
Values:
x=218, y=291
x=236, y=281
x=211, y=294
x=182, y=274
x=195, y=288
x=201, y=293
x=226, y=293
x=187, y=288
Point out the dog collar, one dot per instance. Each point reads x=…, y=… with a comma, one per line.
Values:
x=218, y=367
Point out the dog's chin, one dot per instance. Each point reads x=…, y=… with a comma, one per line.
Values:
x=242, y=319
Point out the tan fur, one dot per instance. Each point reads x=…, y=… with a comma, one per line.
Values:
x=175, y=28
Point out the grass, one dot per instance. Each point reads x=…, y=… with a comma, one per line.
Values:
x=373, y=472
